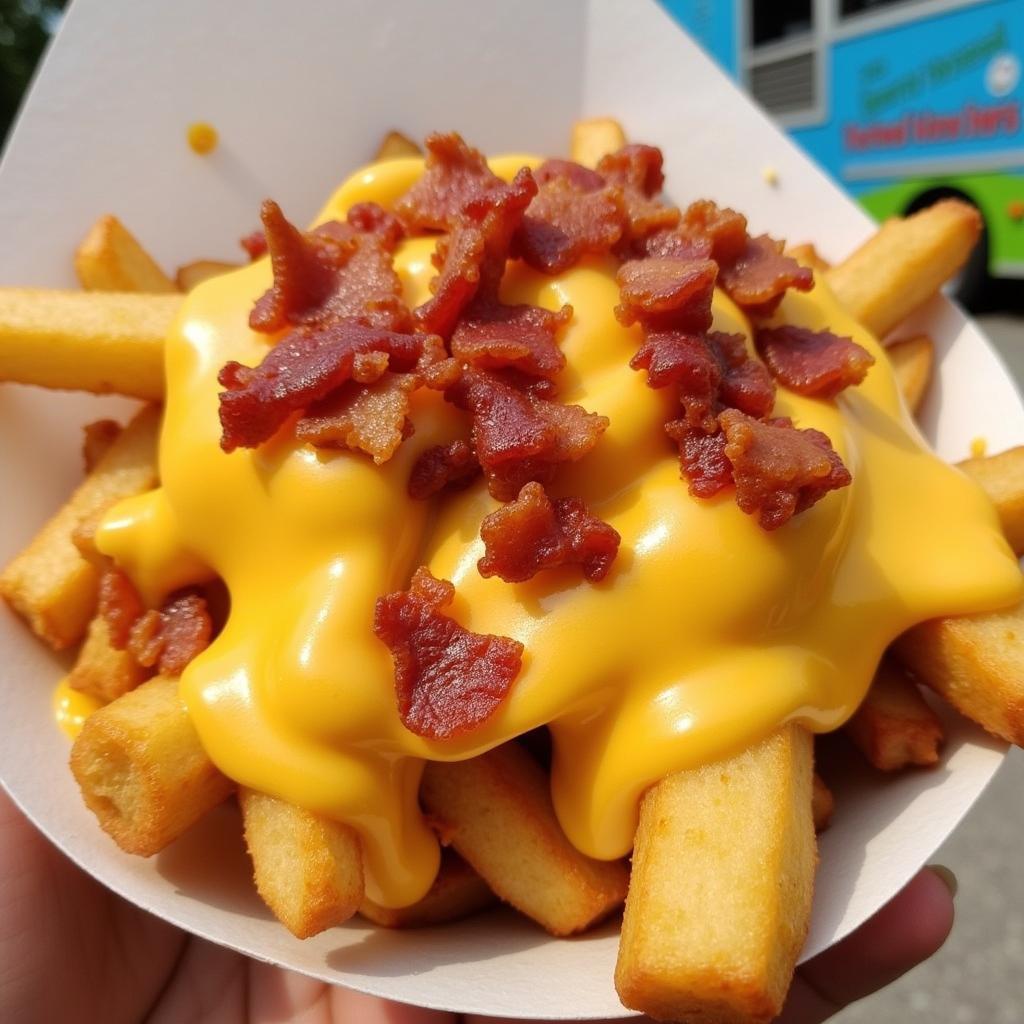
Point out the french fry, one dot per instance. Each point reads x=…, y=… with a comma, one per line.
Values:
x=395, y=145
x=807, y=255
x=977, y=663
x=192, y=274
x=592, y=139
x=50, y=583
x=111, y=259
x=720, y=896
x=142, y=770
x=894, y=728
x=1002, y=478
x=110, y=342
x=101, y=670
x=308, y=869
x=497, y=810
x=912, y=361
x=457, y=892
x=823, y=804
x=905, y=263
x=97, y=437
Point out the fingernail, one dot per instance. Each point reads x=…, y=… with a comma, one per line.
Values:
x=947, y=876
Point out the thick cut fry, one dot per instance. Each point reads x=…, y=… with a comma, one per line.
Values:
x=1002, y=478
x=807, y=255
x=720, y=897
x=912, y=361
x=592, y=139
x=111, y=259
x=192, y=274
x=977, y=663
x=143, y=771
x=905, y=263
x=395, y=145
x=457, y=892
x=104, y=343
x=101, y=670
x=50, y=583
x=894, y=728
x=496, y=810
x=823, y=804
x=308, y=869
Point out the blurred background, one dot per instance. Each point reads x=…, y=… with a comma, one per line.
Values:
x=902, y=102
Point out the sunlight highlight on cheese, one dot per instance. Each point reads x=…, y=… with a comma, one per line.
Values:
x=707, y=634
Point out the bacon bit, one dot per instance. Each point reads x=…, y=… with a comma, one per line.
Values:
x=664, y=293
x=447, y=680
x=533, y=533
x=702, y=458
x=338, y=270
x=472, y=259
x=674, y=244
x=442, y=375
x=371, y=418
x=778, y=469
x=169, y=639
x=120, y=605
x=451, y=465
x=582, y=177
x=637, y=171
x=255, y=245
x=565, y=222
x=759, y=277
x=368, y=367
x=723, y=228
x=302, y=368
x=816, y=363
x=749, y=388
x=492, y=337
x=454, y=173
x=519, y=436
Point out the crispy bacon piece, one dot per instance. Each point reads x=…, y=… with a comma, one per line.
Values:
x=673, y=243
x=748, y=387
x=169, y=639
x=254, y=244
x=816, y=363
x=452, y=465
x=637, y=171
x=759, y=277
x=566, y=221
x=519, y=436
x=664, y=293
x=447, y=679
x=582, y=177
x=492, y=336
x=305, y=366
x=778, y=469
x=472, y=259
x=120, y=605
x=701, y=457
x=372, y=418
x=453, y=174
x=534, y=533
x=723, y=228
x=339, y=270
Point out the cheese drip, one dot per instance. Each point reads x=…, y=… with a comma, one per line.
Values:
x=706, y=636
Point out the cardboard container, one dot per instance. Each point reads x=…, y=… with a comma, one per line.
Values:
x=300, y=99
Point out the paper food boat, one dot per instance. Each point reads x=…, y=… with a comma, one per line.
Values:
x=300, y=99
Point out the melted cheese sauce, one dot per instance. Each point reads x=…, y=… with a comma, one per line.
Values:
x=706, y=636
x=71, y=708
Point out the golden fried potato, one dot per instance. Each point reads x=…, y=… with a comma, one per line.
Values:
x=111, y=259
x=1002, y=478
x=50, y=583
x=457, y=892
x=308, y=869
x=142, y=770
x=894, y=728
x=913, y=360
x=593, y=138
x=101, y=670
x=192, y=274
x=977, y=663
x=808, y=256
x=97, y=437
x=720, y=897
x=905, y=263
x=496, y=812
x=111, y=342
x=395, y=145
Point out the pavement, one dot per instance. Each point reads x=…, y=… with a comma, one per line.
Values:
x=978, y=976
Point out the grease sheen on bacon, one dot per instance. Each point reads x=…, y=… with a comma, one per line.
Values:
x=816, y=363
